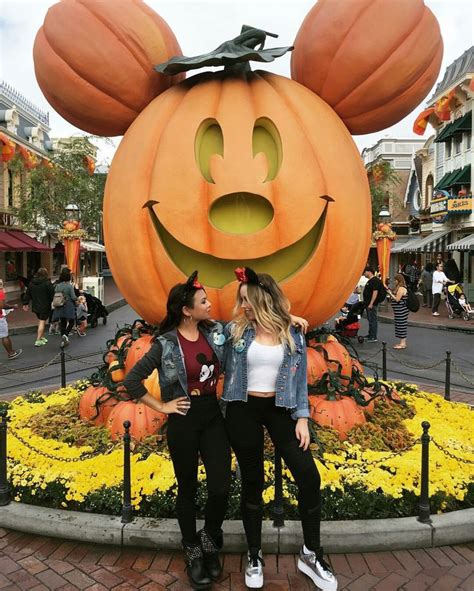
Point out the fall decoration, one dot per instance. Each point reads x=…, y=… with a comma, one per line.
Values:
x=144, y=421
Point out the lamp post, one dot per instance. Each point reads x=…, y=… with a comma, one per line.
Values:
x=71, y=234
x=384, y=236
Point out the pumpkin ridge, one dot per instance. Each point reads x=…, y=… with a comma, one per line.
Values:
x=397, y=97
x=118, y=33
x=396, y=91
x=66, y=66
x=92, y=83
x=329, y=65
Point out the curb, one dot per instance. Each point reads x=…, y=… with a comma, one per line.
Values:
x=338, y=537
x=467, y=329
x=33, y=327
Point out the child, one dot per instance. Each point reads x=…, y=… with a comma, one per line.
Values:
x=464, y=303
x=81, y=315
x=4, y=310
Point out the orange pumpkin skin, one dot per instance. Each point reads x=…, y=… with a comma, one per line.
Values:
x=338, y=359
x=94, y=61
x=341, y=414
x=319, y=158
x=316, y=366
x=144, y=420
x=117, y=372
x=136, y=351
x=373, y=62
x=88, y=409
x=152, y=384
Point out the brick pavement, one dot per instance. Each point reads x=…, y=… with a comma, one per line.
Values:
x=38, y=563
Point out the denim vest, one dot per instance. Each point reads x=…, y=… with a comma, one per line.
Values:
x=166, y=355
x=291, y=389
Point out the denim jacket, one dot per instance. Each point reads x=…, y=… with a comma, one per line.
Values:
x=291, y=389
x=167, y=357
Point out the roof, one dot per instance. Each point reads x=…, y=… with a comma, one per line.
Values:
x=16, y=240
x=455, y=72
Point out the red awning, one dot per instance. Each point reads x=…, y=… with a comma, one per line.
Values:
x=16, y=240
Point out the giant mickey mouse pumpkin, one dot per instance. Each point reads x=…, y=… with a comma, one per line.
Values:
x=235, y=168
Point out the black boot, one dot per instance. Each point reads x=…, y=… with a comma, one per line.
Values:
x=197, y=572
x=210, y=549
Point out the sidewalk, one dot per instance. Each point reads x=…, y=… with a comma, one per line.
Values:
x=40, y=563
x=20, y=322
x=425, y=319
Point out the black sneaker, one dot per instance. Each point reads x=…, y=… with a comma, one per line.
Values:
x=372, y=340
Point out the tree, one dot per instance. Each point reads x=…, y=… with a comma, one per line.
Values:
x=382, y=180
x=67, y=177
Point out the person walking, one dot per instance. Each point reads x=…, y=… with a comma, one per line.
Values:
x=188, y=354
x=65, y=313
x=40, y=292
x=426, y=282
x=265, y=386
x=374, y=291
x=439, y=281
x=399, y=299
x=5, y=309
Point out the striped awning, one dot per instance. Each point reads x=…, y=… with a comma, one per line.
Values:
x=466, y=243
x=435, y=242
x=400, y=244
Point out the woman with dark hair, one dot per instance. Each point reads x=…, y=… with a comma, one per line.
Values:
x=65, y=313
x=188, y=354
x=265, y=386
x=399, y=301
x=40, y=292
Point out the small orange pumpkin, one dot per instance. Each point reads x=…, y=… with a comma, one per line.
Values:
x=339, y=359
x=117, y=371
x=144, y=420
x=373, y=62
x=137, y=350
x=88, y=405
x=316, y=366
x=94, y=61
x=339, y=412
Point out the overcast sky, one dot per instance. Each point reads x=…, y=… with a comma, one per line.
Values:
x=202, y=26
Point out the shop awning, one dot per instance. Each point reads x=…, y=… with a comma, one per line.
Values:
x=399, y=244
x=92, y=246
x=447, y=180
x=16, y=240
x=434, y=242
x=461, y=124
x=466, y=243
x=445, y=133
x=462, y=177
x=411, y=245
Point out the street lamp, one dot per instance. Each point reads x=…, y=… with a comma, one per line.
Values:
x=384, y=215
x=72, y=212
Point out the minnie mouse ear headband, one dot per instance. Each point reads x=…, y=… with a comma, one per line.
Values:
x=192, y=284
x=248, y=275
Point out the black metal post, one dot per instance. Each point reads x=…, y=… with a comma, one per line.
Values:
x=127, y=509
x=447, y=383
x=4, y=487
x=278, y=512
x=63, y=366
x=384, y=360
x=424, y=506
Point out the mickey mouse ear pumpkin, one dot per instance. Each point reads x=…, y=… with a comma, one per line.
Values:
x=373, y=61
x=94, y=61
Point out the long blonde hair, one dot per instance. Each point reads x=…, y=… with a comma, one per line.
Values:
x=271, y=308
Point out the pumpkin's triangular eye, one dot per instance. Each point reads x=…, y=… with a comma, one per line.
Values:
x=209, y=140
x=266, y=139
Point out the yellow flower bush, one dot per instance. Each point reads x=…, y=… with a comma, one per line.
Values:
x=355, y=481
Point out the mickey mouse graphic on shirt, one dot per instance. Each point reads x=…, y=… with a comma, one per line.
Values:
x=207, y=375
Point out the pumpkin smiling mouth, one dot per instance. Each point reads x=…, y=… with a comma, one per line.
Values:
x=217, y=272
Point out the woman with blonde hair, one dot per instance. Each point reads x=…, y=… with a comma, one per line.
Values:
x=399, y=300
x=265, y=386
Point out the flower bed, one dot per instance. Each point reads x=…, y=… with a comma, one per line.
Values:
x=355, y=483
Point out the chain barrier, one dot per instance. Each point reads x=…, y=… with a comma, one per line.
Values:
x=450, y=455
x=33, y=369
x=413, y=366
x=468, y=379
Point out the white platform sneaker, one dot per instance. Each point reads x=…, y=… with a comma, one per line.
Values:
x=254, y=571
x=312, y=565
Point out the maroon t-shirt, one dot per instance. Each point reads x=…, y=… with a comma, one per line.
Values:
x=202, y=366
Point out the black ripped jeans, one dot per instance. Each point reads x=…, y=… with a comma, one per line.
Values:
x=245, y=422
x=200, y=432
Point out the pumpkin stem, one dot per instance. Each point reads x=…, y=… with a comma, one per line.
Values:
x=233, y=55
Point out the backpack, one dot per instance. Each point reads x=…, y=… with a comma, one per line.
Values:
x=413, y=303
x=381, y=295
x=59, y=299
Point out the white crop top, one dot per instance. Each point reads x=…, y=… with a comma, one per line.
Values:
x=263, y=365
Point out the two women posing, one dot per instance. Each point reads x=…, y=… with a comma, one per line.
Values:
x=263, y=358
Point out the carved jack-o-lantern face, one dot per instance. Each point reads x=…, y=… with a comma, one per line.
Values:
x=223, y=171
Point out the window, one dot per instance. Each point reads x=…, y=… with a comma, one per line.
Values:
x=457, y=143
x=13, y=265
x=428, y=189
x=468, y=141
x=10, y=188
x=448, y=148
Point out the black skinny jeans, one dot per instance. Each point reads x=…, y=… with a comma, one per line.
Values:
x=436, y=302
x=65, y=326
x=200, y=431
x=245, y=422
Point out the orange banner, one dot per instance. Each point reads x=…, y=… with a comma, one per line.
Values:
x=71, y=250
x=384, y=246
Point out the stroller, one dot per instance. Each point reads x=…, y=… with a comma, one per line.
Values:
x=349, y=326
x=452, y=302
x=95, y=310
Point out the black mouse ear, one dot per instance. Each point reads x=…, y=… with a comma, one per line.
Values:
x=372, y=66
x=201, y=358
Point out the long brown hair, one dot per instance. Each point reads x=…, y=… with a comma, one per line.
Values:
x=400, y=280
x=271, y=308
